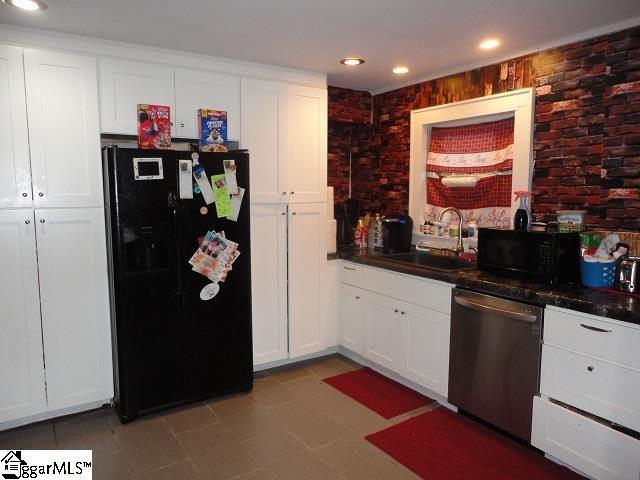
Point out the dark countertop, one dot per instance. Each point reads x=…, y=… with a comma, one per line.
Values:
x=573, y=297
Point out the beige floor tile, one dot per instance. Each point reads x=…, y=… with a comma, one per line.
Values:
x=148, y=444
x=217, y=453
x=90, y=427
x=356, y=459
x=334, y=365
x=284, y=457
x=243, y=415
x=190, y=416
x=273, y=394
x=288, y=374
x=312, y=426
x=39, y=436
x=261, y=474
x=184, y=470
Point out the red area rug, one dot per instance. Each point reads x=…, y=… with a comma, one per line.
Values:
x=378, y=393
x=444, y=445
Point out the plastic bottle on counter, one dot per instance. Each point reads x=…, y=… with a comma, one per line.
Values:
x=360, y=234
x=377, y=231
x=473, y=229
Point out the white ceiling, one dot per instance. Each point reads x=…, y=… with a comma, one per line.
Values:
x=432, y=37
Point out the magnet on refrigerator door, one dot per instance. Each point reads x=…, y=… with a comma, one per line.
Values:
x=230, y=176
x=236, y=203
x=209, y=291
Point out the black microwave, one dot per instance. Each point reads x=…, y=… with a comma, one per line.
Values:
x=544, y=257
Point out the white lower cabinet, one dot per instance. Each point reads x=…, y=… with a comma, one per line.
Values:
x=21, y=362
x=74, y=293
x=410, y=340
x=351, y=318
x=589, y=446
x=288, y=278
x=269, y=282
x=307, y=257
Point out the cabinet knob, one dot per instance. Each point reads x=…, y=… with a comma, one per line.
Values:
x=357, y=297
x=590, y=368
x=27, y=222
x=41, y=194
x=292, y=193
x=181, y=125
x=293, y=213
x=283, y=213
x=284, y=193
x=403, y=313
x=25, y=194
x=42, y=220
x=396, y=310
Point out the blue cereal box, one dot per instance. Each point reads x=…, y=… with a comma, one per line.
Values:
x=212, y=130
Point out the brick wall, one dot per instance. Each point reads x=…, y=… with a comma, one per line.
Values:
x=587, y=129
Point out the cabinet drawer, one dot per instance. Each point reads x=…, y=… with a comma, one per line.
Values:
x=595, y=336
x=584, y=444
x=602, y=388
x=427, y=293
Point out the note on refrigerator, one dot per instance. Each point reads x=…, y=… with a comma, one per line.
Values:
x=236, y=203
x=185, y=179
x=230, y=176
x=221, y=194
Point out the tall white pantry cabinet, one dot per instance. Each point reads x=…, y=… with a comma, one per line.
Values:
x=53, y=267
x=285, y=129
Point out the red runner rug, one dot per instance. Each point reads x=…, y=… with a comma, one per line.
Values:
x=444, y=445
x=378, y=393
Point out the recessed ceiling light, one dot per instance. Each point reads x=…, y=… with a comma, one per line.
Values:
x=489, y=43
x=352, y=61
x=400, y=70
x=30, y=5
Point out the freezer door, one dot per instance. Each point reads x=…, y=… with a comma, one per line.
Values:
x=142, y=233
x=216, y=331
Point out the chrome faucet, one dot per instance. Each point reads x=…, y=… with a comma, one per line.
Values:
x=459, y=248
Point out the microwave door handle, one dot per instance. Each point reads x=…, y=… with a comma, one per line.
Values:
x=526, y=317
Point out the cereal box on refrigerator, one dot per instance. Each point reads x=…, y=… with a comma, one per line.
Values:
x=154, y=127
x=212, y=130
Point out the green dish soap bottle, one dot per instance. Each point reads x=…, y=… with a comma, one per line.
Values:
x=522, y=218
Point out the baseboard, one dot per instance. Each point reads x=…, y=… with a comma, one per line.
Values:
x=398, y=378
x=53, y=414
x=291, y=361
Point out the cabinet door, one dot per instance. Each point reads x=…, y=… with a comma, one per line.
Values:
x=21, y=364
x=62, y=105
x=307, y=141
x=385, y=332
x=75, y=306
x=427, y=360
x=351, y=318
x=126, y=83
x=196, y=89
x=15, y=173
x=307, y=260
x=264, y=133
x=269, y=282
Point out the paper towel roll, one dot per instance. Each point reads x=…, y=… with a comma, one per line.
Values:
x=329, y=203
x=460, y=181
x=332, y=233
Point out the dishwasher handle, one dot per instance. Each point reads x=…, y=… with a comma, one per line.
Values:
x=526, y=317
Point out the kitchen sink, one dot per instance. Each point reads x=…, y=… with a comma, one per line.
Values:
x=426, y=260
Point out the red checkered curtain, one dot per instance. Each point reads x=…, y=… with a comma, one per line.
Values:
x=470, y=168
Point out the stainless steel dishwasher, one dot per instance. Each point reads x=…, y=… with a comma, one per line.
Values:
x=495, y=359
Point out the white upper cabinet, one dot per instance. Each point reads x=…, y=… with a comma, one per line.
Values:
x=264, y=133
x=15, y=174
x=307, y=263
x=196, y=89
x=74, y=294
x=307, y=142
x=21, y=364
x=62, y=106
x=126, y=83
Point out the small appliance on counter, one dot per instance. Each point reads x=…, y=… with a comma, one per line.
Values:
x=628, y=274
x=396, y=234
x=545, y=257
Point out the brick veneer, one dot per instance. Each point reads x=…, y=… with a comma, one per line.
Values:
x=587, y=129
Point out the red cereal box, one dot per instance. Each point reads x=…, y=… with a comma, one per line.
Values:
x=154, y=127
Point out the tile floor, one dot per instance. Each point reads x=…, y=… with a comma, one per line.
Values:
x=291, y=426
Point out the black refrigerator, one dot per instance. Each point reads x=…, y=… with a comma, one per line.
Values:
x=182, y=331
